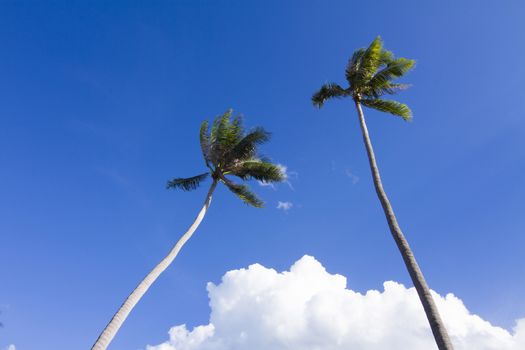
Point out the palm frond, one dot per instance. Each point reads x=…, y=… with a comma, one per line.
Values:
x=389, y=106
x=327, y=91
x=215, y=126
x=394, y=69
x=187, y=184
x=356, y=57
x=230, y=133
x=387, y=89
x=244, y=193
x=393, y=88
x=365, y=62
x=259, y=170
x=385, y=57
x=353, y=66
x=372, y=56
x=224, y=135
x=246, y=148
x=219, y=123
x=205, y=141
x=370, y=61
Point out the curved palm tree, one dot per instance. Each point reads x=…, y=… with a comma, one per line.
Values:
x=227, y=150
x=370, y=73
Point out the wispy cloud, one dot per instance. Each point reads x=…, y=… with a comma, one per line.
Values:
x=353, y=177
x=285, y=206
x=347, y=171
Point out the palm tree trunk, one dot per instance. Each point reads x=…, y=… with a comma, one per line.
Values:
x=436, y=324
x=116, y=322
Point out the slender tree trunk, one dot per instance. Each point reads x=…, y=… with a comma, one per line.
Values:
x=113, y=326
x=436, y=324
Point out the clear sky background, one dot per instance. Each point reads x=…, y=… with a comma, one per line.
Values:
x=100, y=104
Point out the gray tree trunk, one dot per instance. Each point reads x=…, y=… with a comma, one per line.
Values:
x=118, y=319
x=436, y=324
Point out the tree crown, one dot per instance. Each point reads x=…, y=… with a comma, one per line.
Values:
x=370, y=73
x=230, y=150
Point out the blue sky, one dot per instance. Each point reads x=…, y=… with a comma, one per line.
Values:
x=100, y=104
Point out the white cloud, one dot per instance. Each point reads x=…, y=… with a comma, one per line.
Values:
x=308, y=308
x=11, y=347
x=284, y=205
x=353, y=177
x=347, y=171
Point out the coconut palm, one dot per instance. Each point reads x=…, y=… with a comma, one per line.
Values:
x=227, y=150
x=370, y=73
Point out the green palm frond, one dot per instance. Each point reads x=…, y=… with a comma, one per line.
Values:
x=230, y=132
x=364, y=63
x=224, y=134
x=246, y=148
x=187, y=184
x=217, y=122
x=394, y=69
x=353, y=66
x=244, y=193
x=205, y=141
x=389, y=106
x=327, y=91
x=218, y=127
x=355, y=59
x=386, y=89
x=371, y=58
x=385, y=57
x=259, y=170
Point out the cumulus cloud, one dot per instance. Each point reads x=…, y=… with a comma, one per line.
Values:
x=307, y=308
x=11, y=347
x=284, y=205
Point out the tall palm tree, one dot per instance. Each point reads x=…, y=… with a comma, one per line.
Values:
x=227, y=150
x=370, y=73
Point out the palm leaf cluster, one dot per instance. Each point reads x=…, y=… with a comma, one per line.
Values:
x=370, y=73
x=229, y=150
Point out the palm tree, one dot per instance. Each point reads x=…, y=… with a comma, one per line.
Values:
x=227, y=150
x=370, y=73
